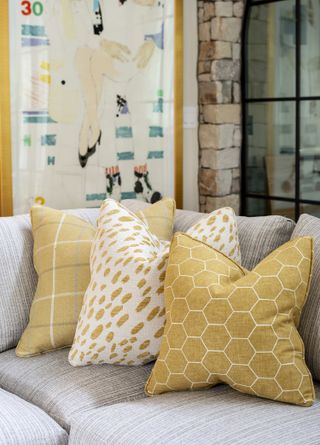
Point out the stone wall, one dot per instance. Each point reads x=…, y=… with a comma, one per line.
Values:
x=220, y=24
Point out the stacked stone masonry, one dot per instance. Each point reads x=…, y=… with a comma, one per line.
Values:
x=220, y=24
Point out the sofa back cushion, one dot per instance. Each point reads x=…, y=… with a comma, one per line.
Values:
x=310, y=319
x=261, y=235
x=18, y=279
x=258, y=236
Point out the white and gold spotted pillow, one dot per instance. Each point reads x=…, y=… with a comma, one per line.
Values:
x=219, y=230
x=123, y=313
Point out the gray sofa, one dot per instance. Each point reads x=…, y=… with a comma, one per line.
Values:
x=44, y=400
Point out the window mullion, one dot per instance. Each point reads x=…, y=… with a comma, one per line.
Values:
x=298, y=108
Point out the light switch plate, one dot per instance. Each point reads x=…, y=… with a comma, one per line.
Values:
x=190, y=117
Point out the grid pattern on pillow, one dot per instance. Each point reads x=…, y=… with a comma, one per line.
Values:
x=227, y=325
x=62, y=244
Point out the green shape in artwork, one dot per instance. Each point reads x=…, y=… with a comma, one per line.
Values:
x=48, y=139
x=156, y=154
x=27, y=140
x=155, y=132
x=96, y=197
x=33, y=30
x=38, y=120
x=128, y=195
x=158, y=106
x=51, y=160
x=125, y=156
x=123, y=132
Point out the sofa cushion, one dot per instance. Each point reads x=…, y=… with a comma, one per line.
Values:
x=18, y=279
x=217, y=416
x=226, y=325
x=310, y=320
x=122, y=317
x=261, y=235
x=50, y=382
x=258, y=236
x=22, y=423
x=16, y=264
x=62, y=246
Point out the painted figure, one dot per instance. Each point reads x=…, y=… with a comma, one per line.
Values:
x=106, y=41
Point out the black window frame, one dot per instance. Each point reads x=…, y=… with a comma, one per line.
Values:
x=298, y=99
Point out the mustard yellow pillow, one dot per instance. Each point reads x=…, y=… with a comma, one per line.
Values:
x=227, y=325
x=62, y=245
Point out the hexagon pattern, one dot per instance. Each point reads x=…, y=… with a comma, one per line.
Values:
x=237, y=327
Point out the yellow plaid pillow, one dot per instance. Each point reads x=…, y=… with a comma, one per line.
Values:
x=62, y=245
x=227, y=325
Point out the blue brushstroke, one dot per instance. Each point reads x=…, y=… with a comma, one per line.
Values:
x=96, y=197
x=125, y=156
x=33, y=30
x=158, y=38
x=156, y=154
x=51, y=160
x=36, y=112
x=49, y=139
x=128, y=195
x=96, y=5
x=38, y=120
x=155, y=132
x=34, y=42
x=125, y=109
x=123, y=132
x=158, y=106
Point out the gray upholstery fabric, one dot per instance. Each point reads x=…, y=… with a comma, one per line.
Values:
x=310, y=320
x=219, y=416
x=258, y=236
x=18, y=278
x=24, y=424
x=51, y=383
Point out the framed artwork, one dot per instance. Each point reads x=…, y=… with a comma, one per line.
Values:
x=91, y=102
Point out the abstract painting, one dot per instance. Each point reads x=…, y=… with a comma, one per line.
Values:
x=92, y=101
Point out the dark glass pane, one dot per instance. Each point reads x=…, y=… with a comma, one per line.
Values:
x=310, y=54
x=270, y=163
x=271, y=63
x=310, y=151
x=311, y=209
x=262, y=207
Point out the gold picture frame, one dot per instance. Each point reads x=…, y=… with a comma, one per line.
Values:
x=6, y=199
x=6, y=188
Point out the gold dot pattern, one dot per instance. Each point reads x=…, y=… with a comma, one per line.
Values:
x=124, y=302
x=219, y=230
x=228, y=325
x=121, y=309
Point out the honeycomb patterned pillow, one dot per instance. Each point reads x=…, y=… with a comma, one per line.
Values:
x=227, y=325
x=122, y=318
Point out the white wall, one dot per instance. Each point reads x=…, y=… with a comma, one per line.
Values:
x=190, y=135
